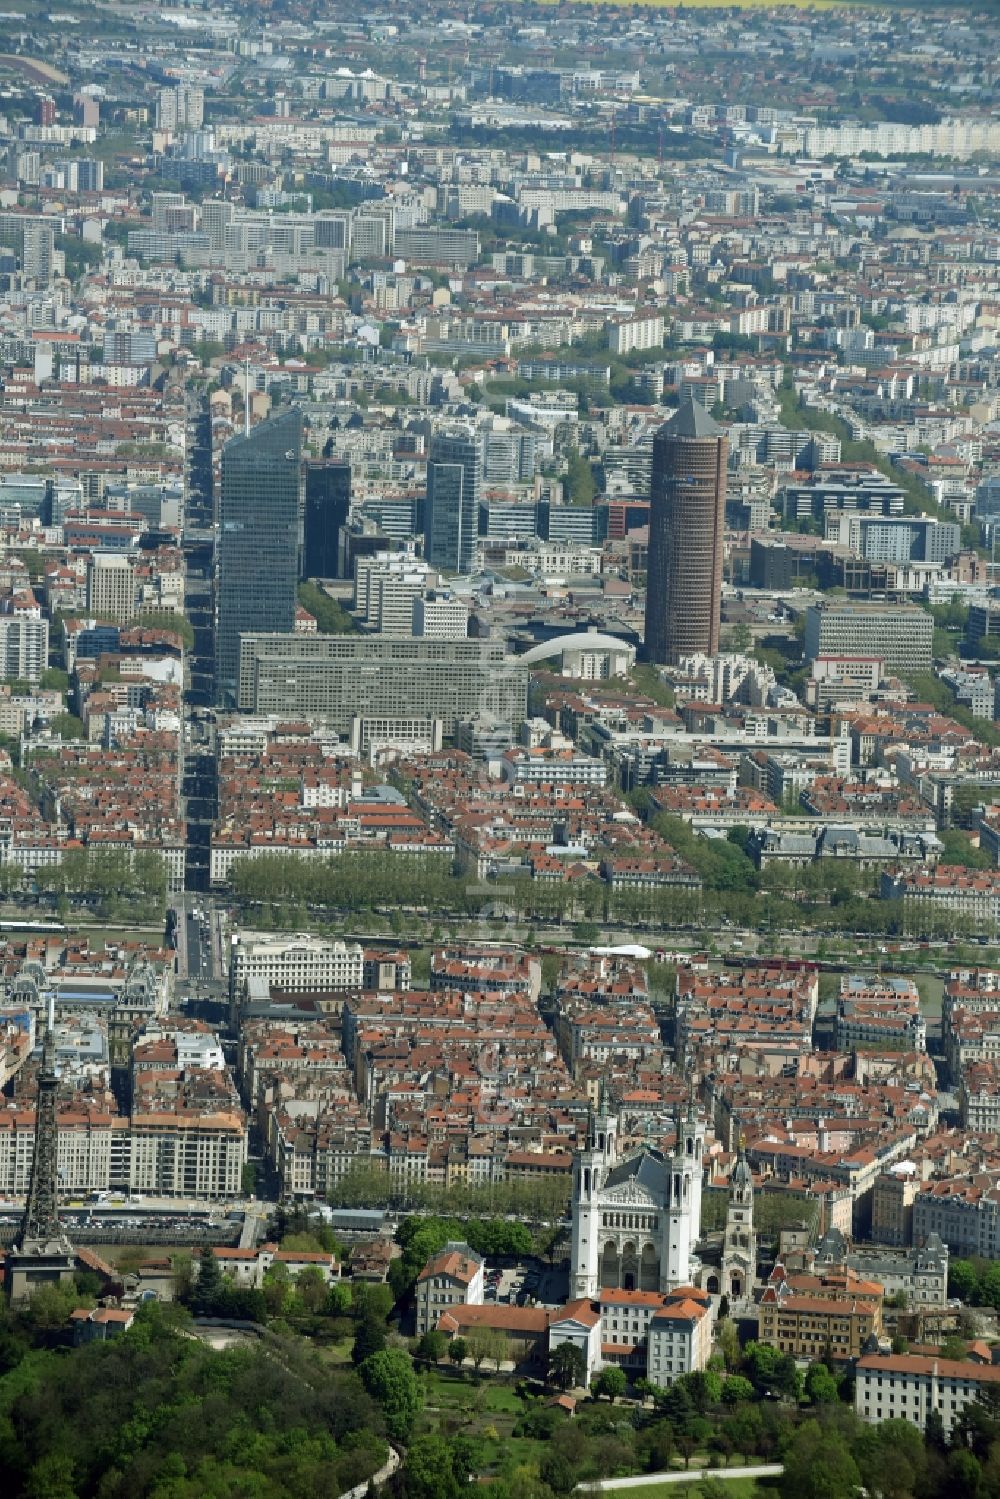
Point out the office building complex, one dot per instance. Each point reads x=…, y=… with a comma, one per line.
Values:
x=827, y=493
x=984, y=621
x=581, y=523
x=684, y=586
x=440, y=616
x=509, y=456
x=900, y=634
x=385, y=587
x=327, y=503
x=258, y=540
x=451, y=516
x=111, y=587
x=897, y=538
x=338, y=678
x=300, y=964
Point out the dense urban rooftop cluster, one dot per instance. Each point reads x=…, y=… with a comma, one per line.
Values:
x=499, y=624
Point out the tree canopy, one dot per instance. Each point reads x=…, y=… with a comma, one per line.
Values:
x=153, y=1413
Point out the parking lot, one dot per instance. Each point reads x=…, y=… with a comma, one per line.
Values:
x=525, y=1285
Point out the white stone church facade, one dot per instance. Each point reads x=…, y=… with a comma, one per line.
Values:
x=636, y=1221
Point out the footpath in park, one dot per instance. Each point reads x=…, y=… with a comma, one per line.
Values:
x=647, y=1480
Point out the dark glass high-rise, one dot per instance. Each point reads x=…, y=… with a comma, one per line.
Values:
x=451, y=515
x=327, y=505
x=257, y=572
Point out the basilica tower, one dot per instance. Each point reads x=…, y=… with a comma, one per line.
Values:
x=683, y=1219
x=590, y=1171
x=739, y=1247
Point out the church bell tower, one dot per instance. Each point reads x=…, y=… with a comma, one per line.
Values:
x=590, y=1170
x=679, y=1267
x=739, y=1247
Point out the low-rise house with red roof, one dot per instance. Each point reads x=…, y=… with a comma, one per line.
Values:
x=99, y=1325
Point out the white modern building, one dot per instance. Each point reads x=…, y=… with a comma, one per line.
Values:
x=24, y=646
x=440, y=616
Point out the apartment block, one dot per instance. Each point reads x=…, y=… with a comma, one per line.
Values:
x=180, y=1153
x=972, y=894
x=909, y=1387
x=964, y=1212
x=337, y=678
x=111, y=587
x=680, y=1337
x=636, y=333
x=874, y=1012
x=893, y=1197
x=813, y=1317
x=24, y=646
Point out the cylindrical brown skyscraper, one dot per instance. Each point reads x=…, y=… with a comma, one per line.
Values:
x=687, y=510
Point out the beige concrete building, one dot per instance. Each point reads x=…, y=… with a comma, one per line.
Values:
x=111, y=587
x=892, y=1204
x=188, y=1154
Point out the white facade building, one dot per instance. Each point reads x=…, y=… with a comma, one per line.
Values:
x=24, y=646
x=636, y=1221
x=299, y=963
x=637, y=333
x=908, y=1387
x=440, y=616
x=680, y=1339
x=455, y=1277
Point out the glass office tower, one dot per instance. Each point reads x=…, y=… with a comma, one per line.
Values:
x=451, y=516
x=327, y=504
x=257, y=568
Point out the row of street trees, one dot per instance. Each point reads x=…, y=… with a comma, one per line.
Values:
x=826, y=897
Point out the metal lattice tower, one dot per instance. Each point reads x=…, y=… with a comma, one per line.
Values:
x=40, y=1225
